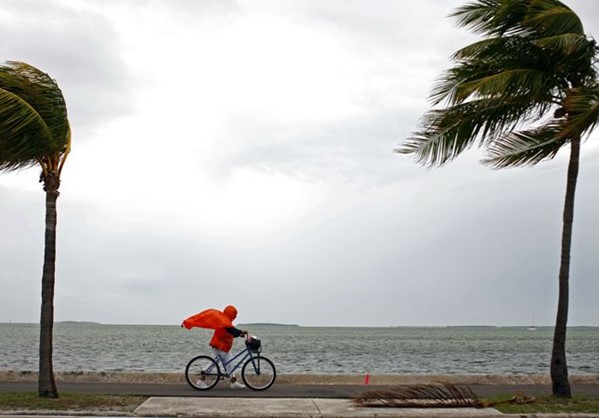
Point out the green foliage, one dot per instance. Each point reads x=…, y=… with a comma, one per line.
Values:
x=518, y=17
x=33, y=117
x=547, y=405
x=535, y=68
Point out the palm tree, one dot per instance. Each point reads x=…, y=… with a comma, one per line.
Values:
x=523, y=92
x=34, y=129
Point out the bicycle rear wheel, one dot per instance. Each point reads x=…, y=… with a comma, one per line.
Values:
x=258, y=373
x=202, y=373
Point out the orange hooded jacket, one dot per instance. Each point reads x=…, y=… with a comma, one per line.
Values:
x=222, y=338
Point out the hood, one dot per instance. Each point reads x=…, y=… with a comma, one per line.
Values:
x=231, y=312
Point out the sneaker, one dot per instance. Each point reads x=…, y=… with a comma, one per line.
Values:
x=201, y=384
x=237, y=385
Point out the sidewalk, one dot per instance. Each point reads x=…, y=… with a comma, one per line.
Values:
x=290, y=407
x=188, y=407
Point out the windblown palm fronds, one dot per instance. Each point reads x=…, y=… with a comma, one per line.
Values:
x=444, y=395
x=526, y=90
x=34, y=129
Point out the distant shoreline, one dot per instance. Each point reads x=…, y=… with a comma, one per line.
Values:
x=305, y=379
x=274, y=324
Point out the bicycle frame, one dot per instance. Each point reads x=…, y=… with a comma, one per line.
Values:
x=244, y=354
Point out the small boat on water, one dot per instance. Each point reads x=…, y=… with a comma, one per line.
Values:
x=532, y=327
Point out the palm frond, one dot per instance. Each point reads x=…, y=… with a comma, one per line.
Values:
x=514, y=68
x=552, y=18
x=463, y=83
x=566, y=44
x=20, y=124
x=421, y=396
x=41, y=92
x=445, y=133
x=491, y=17
x=539, y=18
x=479, y=48
x=582, y=106
x=33, y=116
x=526, y=148
x=509, y=83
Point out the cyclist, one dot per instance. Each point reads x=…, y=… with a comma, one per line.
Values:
x=221, y=344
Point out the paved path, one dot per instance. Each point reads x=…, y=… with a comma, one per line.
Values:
x=276, y=391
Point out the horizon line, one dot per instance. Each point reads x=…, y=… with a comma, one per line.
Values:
x=314, y=326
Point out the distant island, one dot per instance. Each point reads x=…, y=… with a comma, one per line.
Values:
x=78, y=323
x=268, y=324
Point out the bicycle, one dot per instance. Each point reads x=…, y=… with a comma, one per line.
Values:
x=258, y=372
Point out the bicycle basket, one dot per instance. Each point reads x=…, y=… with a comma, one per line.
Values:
x=254, y=345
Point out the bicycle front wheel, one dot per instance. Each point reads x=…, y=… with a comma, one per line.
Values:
x=202, y=373
x=258, y=373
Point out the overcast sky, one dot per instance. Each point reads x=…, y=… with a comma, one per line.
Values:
x=241, y=152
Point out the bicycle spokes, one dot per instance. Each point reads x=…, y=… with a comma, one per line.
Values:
x=202, y=373
x=258, y=373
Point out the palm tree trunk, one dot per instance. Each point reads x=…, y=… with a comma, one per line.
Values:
x=559, y=367
x=46, y=383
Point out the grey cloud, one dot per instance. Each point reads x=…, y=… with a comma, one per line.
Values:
x=80, y=49
x=469, y=249
x=358, y=150
x=401, y=25
x=458, y=245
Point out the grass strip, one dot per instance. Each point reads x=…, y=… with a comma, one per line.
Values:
x=546, y=404
x=30, y=401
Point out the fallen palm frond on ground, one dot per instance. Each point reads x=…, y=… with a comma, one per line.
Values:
x=443, y=395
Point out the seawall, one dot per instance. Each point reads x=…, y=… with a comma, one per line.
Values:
x=305, y=379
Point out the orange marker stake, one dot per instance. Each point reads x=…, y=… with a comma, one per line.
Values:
x=367, y=379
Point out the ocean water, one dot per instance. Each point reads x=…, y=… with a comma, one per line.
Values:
x=303, y=350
